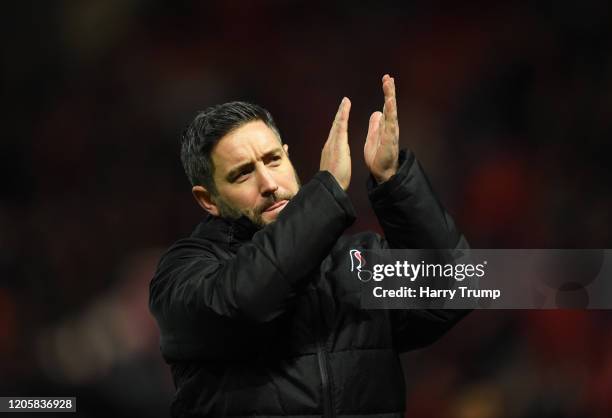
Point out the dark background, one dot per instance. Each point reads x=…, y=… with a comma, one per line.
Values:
x=507, y=106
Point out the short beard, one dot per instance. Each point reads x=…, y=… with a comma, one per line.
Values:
x=226, y=210
x=255, y=215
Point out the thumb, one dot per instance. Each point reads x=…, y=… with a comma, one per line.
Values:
x=373, y=128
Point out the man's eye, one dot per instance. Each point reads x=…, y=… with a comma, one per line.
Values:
x=243, y=175
x=275, y=160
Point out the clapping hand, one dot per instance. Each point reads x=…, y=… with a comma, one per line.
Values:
x=381, y=148
x=336, y=155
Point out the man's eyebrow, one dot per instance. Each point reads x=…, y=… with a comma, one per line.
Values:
x=236, y=170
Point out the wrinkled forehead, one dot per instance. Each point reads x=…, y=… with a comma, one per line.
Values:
x=247, y=143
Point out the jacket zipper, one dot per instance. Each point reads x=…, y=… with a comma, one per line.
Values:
x=328, y=407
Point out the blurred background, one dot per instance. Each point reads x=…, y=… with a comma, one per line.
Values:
x=507, y=106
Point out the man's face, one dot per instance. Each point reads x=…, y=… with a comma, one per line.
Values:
x=253, y=174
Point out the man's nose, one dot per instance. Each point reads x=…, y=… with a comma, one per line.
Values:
x=267, y=184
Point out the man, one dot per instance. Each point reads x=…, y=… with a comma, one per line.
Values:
x=258, y=310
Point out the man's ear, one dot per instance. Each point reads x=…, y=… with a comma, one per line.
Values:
x=286, y=148
x=204, y=199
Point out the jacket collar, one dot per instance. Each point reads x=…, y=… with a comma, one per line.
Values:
x=225, y=231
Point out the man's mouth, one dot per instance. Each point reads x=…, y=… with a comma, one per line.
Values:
x=276, y=205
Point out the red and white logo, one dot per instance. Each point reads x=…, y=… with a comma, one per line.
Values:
x=357, y=263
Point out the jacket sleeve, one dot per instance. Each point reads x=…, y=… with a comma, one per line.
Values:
x=409, y=212
x=261, y=278
x=412, y=217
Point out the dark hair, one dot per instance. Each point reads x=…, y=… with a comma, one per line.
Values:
x=207, y=128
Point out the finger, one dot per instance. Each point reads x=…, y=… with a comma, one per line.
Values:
x=387, y=80
x=346, y=111
x=388, y=87
x=390, y=117
x=390, y=113
x=340, y=124
x=389, y=109
x=344, y=120
x=381, y=129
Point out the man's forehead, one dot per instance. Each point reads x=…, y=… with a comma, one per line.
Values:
x=248, y=142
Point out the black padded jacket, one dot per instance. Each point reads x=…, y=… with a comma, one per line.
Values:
x=268, y=322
